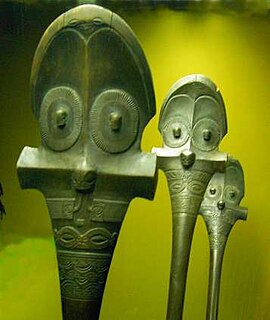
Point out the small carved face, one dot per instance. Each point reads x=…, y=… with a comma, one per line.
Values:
x=225, y=190
x=193, y=115
x=84, y=182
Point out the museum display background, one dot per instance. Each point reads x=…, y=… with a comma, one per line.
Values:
x=233, y=50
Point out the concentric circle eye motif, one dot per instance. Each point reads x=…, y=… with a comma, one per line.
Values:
x=206, y=135
x=114, y=121
x=175, y=132
x=232, y=194
x=60, y=118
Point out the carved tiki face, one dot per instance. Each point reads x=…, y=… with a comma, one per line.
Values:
x=224, y=194
x=92, y=95
x=193, y=119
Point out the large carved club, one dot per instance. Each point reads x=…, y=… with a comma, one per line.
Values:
x=192, y=123
x=92, y=95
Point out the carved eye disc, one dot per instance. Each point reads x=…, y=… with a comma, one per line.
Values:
x=175, y=132
x=60, y=118
x=206, y=134
x=232, y=194
x=114, y=121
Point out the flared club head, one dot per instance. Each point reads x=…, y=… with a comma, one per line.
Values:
x=92, y=94
x=90, y=77
x=192, y=120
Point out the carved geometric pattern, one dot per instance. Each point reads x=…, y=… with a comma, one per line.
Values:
x=108, y=210
x=217, y=241
x=97, y=238
x=190, y=182
x=217, y=225
x=61, y=208
x=82, y=274
x=186, y=190
x=185, y=205
x=97, y=210
x=218, y=230
x=226, y=216
x=86, y=27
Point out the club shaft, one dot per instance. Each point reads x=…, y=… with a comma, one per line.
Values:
x=183, y=228
x=215, y=270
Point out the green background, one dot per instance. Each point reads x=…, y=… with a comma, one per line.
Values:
x=233, y=50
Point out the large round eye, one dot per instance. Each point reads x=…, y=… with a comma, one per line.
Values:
x=232, y=194
x=213, y=191
x=60, y=118
x=206, y=135
x=114, y=121
x=175, y=132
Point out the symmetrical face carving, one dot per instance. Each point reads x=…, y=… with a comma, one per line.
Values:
x=193, y=118
x=113, y=119
x=92, y=95
x=224, y=194
x=101, y=90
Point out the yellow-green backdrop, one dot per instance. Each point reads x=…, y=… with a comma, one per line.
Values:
x=234, y=51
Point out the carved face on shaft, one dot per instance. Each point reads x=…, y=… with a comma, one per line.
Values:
x=224, y=194
x=192, y=120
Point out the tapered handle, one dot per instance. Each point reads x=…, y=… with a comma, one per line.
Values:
x=82, y=281
x=187, y=187
x=215, y=269
x=183, y=227
x=84, y=252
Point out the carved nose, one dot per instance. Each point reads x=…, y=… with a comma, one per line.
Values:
x=84, y=177
x=61, y=118
x=115, y=121
x=187, y=158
